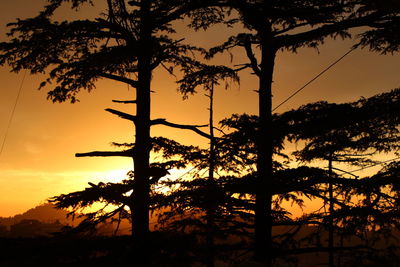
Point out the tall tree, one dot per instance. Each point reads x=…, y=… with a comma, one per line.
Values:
x=130, y=39
x=349, y=133
x=290, y=25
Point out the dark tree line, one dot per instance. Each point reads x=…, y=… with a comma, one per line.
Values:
x=249, y=175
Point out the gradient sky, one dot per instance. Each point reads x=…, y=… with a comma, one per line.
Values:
x=38, y=158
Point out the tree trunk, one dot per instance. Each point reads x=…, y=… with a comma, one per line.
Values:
x=211, y=182
x=141, y=192
x=263, y=216
x=331, y=210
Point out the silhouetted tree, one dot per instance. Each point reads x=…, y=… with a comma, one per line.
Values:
x=349, y=133
x=3, y=231
x=288, y=25
x=202, y=193
x=369, y=125
x=116, y=196
x=133, y=38
x=130, y=39
x=351, y=128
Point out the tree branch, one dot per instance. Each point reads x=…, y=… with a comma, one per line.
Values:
x=117, y=78
x=290, y=28
x=125, y=101
x=125, y=153
x=193, y=128
x=122, y=114
x=325, y=30
x=115, y=27
x=252, y=58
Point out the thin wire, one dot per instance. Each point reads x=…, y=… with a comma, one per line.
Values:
x=188, y=171
x=379, y=163
x=12, y=113
x=316, y=77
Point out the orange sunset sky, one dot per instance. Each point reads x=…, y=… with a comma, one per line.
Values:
x=38, y=157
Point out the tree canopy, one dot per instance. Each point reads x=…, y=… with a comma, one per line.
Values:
x=250, y=175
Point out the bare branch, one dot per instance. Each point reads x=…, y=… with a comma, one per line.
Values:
x=193, y=128
x=125, y=101
x=122, y=114
x=219, y=130
x=242, y=67
x=131, y=82
x=169, y=70
x=252, y=58
x=125, y=153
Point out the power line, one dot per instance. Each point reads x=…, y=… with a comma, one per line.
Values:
x=313, y=79
x=12, y=114
x=367, y=167
x=376, y=164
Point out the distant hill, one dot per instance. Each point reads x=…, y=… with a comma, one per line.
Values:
x=46, y=213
